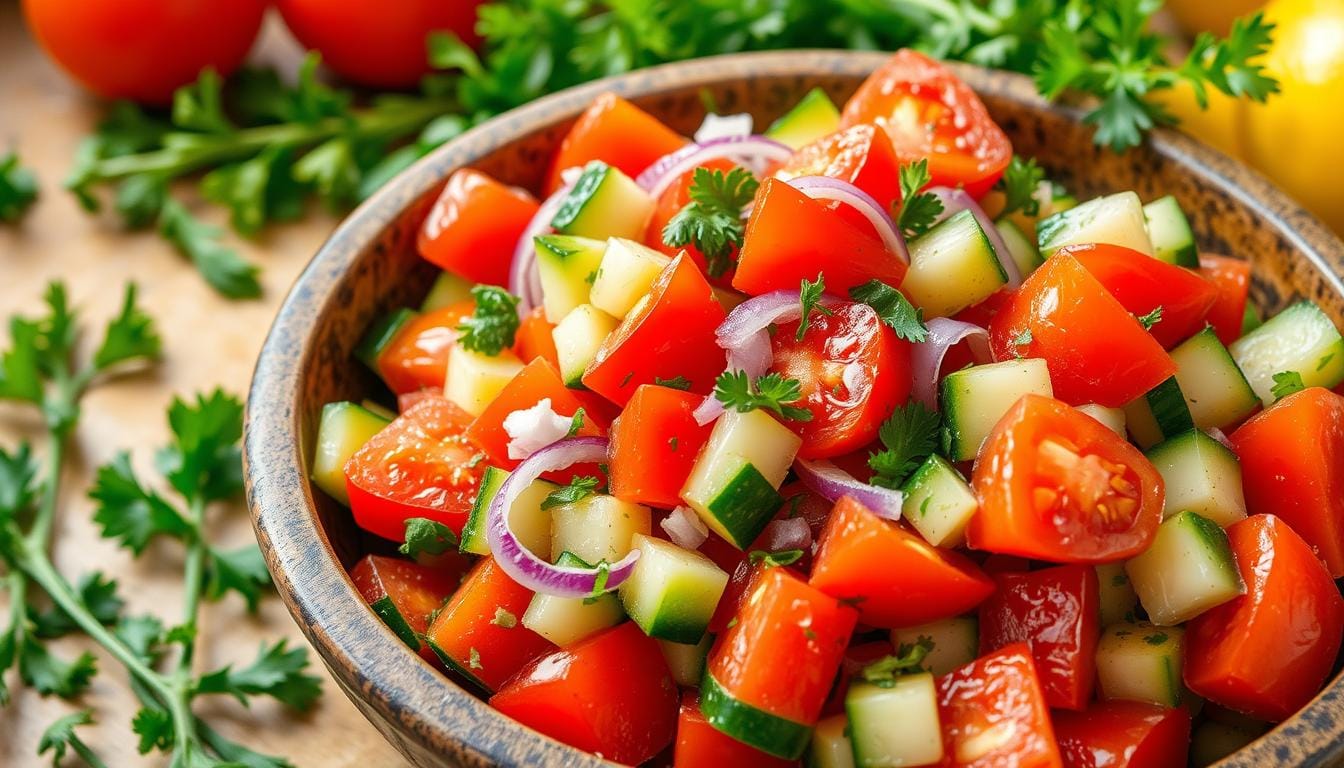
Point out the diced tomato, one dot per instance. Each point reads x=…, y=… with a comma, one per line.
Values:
x=1232, y=277
x=995, y=564
x=736, y=562
x=534, y=339
x=994, y=714
x=418, y=356
x=1096, y=351
x=670, y=203
x=1124, y=734
x=619, y=134
x=537, y=381
x=1055, y=611
x=1055, y=484
x=790, y=238
x=1292, y=465
x=610, y=694
x=474, y=226
x=1269, y=651
x=894, y=578
x=982, y=314
x=929, y=113
x=420, y=465
x=861, y=155
x=408, y=400
x=1141, y=284
x=654, y=445
x=699, y=744
x=404, y=594
x=469, y=636
x=854, y=372
x=856, y=658
x=666, y=335
x=782, y=654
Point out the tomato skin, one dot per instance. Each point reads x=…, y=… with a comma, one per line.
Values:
x=654, y=446
x=903, y=580
x=414, y=590
x=1232, y=278
x=474, y=225
x=1096, y=351
x=537, y=381
x=377, y=44
x=1269, y=651
x=144, y=50
x=418, y=357
x=616, y=132
x=1001, y=688
x=669, y=335
x=964, y=145
x=669, y=204
x=1006, y=482
x=699, y=744
x=1141, y=283
x=417, y=466
x=790, y=237
x=610, y=693
x=854, y=372
x=534, y=339
x=1056, y=612
x=1124, y=734
x=861, y=155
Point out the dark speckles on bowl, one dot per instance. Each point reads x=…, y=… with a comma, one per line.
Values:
x=369, y=265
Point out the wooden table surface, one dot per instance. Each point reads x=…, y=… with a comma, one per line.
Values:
x=208, y=341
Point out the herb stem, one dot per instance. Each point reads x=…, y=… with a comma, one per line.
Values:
x=193, y=574
x=39, y=536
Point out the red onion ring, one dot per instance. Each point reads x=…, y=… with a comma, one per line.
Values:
x=517, y=561
x=831, y=482
x=754, y=152
x=927, y=357
x=786, y=533
x=828, y=188
x=957, y=200
x=524, y=280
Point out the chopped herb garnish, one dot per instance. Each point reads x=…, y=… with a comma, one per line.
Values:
x=575, y=423
x=712, y=221
x=918, y=209
x=772, y=392
x=1151, y=319
x=1155, y=639
x=627, y=378
x=1019, y=183
x=1021, y=340
x=809, y=296
x=1119, y=580
x=676, y=382
x=427, y=538
x=909, y=435
x=503, y=618
x=493, y=324
x=474, y=658
x=599, y=583
x=579, y=488
x=475, y=460
x=772, y=559
x=1287, y=383
x=893, y=308
x=1324, y=361
x=908, y=658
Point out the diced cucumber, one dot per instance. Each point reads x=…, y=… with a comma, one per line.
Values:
x=734, y=485
x=1300, y=338
x=528, y=521
x=598, y=527
x=952, y=267
x=830, y=746
x=625, y=275
x=1022, y=250
x=567, y=620
x=1169, y=231
x=1113, y=418
x=1137, y=661
x=1250, y=319
x=1211, y=741
x=475, y=380
x=686, y=662
x=603, y=203
x=1158, y=414
x=343, y=429
x=1215, y=389
x=577, y=338
x=672, y=592
x=895, y=725
x=1115, y=219
x=974, y=399
x=378, y=409
x=767, y=732
x=1117, y=597
x=448, y=289
x=1187, y=570
x=1200, y=475
x=380, y=334
x=938, y=502
x=954, y=642
x=568, y=268
x=813, y=117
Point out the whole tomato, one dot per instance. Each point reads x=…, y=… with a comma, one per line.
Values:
x=374, y=42
x=144, y=49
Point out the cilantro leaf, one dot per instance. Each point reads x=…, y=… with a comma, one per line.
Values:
x=809, y=296
x=712, y=221
x=154, y=726
x=774, y=559
x=493, y=324
x=576, y=422
x=1287, y=383
x=893, y=308
x=427, y=538
x=129, y=336
x=50, y=675
x=909, y=436
x=918, y=209
x=143, y=635
x=241, y=570
x=1151, y=319
x=676, y=382
x=60, y=736
x=97, y=593
x=221, y=267
x=579, y=488
x=1019, y=183
x=908, y=658
x=199, y=107
x=771, y=392
x=278, y=672
x=129, y=513
x=20, y=373
x=203, y=460
x=18, y=481
x=18, y=188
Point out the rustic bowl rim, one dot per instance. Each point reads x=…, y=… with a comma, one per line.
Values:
x=435, y=712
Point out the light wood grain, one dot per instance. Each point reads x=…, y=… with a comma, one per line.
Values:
x=208, y=341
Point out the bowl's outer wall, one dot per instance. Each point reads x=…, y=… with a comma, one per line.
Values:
x=369, y=266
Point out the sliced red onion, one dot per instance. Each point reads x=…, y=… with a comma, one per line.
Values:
x=783, y=534
x=685, y=528
x=723, y=127
x=517, y=560
x=831, y=482
x=927, y=357
x=957, y=200
x=524, y=280
x=1220, y=436
x=756, y=153
x=827, y=188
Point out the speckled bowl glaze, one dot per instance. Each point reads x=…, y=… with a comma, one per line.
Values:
x=369, y=266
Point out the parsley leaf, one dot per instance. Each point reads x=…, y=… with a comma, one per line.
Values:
x=1287, y=383
x=203, y=460
x=51, y=675
x=909, y=435
x=129, y=513
x=427, y=538
x=1019, y=183
x=918, y=209
x=712, y=221
x=809, y=296
x=676, y=382
x=772, y=392
x=18, y=188
x=773, y=559
x=578, y=489
x=884, y=672
x=493, y=324
x=241, y=570
x=60, y=736
x=221, y=267
x=1151, y=319
x=893, y=308
x=96, y=593
x=129, y=336
x=278, y=672
x=575, y=423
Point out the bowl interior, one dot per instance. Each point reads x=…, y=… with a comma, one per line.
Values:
x=370, y=266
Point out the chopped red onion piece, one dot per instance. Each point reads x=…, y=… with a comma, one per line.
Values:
x=783, y=534
x=1220, y=436
x=828, y=188
x=685, y=528
x=524, y=280
x=756, y=153
x=927, y=357
x=520, y=563
x=957, y=200
x=831, y=482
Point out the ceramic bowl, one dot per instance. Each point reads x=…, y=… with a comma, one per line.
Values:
x=369, y=266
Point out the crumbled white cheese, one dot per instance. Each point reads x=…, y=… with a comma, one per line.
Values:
x=534, y=428
x=723, y=126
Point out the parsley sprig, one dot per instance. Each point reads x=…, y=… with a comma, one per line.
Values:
x=908, y=658
x=493, y=324
x=909, y=435
x=918, y=210
x=579, y=488
x=1019, y=183
x=893, y=308
x=809, y=297
x=1287, y=383
x=771, y=392
x=18, y=188
x=712, y=220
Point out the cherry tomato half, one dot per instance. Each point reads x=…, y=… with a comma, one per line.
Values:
x=994, y=714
